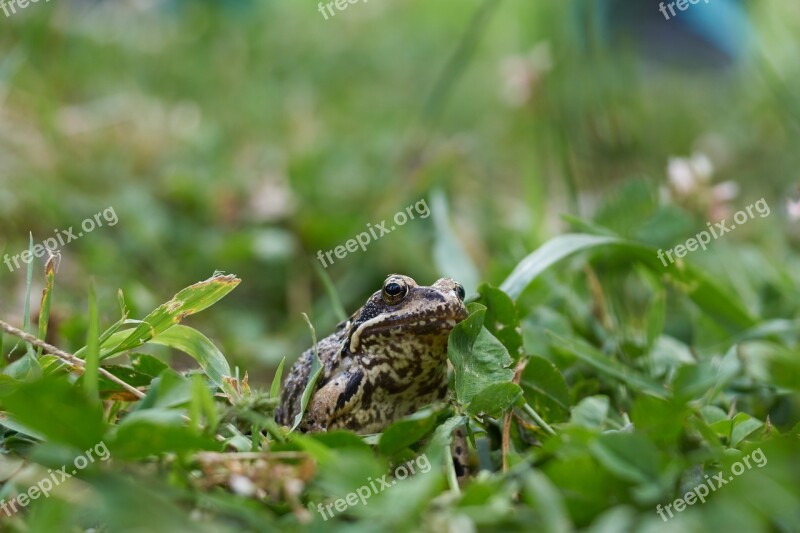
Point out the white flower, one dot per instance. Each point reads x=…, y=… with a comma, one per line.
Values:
x=725, y=191
x=702, y=167
x=521, y=74
x=793, y=209
x=680, y=174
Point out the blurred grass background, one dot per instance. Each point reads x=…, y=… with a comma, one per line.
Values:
x=245, y=136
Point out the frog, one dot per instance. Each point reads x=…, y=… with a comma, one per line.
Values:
x=386, y=361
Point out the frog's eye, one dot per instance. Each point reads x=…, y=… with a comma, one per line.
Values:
x=460, y=292
x=394, y=292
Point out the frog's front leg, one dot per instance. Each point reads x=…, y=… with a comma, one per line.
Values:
x=335, y=398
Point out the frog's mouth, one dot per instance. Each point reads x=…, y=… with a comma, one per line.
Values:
x=413, y=327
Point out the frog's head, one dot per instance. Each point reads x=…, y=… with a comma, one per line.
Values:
x=403, y=312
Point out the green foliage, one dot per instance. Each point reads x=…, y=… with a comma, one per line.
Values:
x=592, y=381
x=479, y=358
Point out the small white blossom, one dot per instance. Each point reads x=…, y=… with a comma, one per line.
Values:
x=521, y=74
x=680, y=174
x=793, y=209
x=725, y=191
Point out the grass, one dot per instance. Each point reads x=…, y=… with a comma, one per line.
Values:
x=595, y=385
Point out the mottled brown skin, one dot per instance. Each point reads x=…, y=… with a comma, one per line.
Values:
x=387, y=361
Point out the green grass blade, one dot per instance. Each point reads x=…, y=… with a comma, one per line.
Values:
x=449, y=255
x=316, y=370
x=198, y=346
x=608, y=366
x=711, y=298
x=336, y=302
x=26, y=317
x=276, y=381
x=47, y=294
x=189, y=301
x=202, y=407
x=90, y=373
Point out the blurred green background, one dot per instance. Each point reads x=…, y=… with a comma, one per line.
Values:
x=246, y=136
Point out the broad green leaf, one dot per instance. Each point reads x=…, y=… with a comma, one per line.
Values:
x=715, y=301
x=341, y=440
x=75, y=421
x=169, y=389
x=543, y=495
x=320, y=452
x=501, y=318
x=407, y=431
x=478, y=358
x=495, y=399
x=7, y=384
x=661, y=420
x=24, y=368
x=154, y=432
x=127, y=374
x=587, y=489
x=448, y=253
x=545, y=389
x=693, y=381
x=343, y=470
x=743, y=426
x=189, y=301
x=608, y=366
x=547, y=255
x=712, y=414
x=200, y=347
x=147, y=364
x=631, y=456
x=787, y=330
x=784, y=366
x=109, y=344
x=591, y=412
x=486, y=500
x=13, y=425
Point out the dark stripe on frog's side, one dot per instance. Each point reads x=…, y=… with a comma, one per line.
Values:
x=353, y=381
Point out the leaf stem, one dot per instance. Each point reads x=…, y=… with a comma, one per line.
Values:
x=65, y=357
x=533, y=414
x=452, y=479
